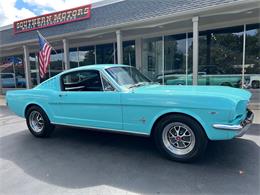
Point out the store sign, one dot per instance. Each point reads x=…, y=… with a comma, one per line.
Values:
x=52, y=19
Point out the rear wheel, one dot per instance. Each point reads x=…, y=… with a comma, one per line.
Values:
x=38, y=122
x=180, y=138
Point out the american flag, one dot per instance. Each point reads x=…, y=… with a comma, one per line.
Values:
x=44, y=55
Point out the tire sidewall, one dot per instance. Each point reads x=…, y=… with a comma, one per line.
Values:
x=200, y=138
x=47, y=126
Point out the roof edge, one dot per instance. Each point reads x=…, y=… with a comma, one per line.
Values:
x=93, y=6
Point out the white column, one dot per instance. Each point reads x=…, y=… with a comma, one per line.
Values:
x=1, y=87
x=186, y=59
x=114, y=52
x=27, y=67
x=138, y=53
x=244, y=57
x=37, y=69
x=163, y=67
x=119, y=47
x=95, y=48
x=195, y=21
x=66, y=54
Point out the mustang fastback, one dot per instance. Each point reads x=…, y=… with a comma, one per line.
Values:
x=118, y=98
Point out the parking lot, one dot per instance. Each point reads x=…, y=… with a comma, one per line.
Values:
x=81, y=162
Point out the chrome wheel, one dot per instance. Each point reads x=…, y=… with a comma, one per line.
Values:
x=178, y=138
x=36, y=121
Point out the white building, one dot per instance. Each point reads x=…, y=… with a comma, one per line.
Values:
x=205, y=42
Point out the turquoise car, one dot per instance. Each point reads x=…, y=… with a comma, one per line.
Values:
x=118, y=98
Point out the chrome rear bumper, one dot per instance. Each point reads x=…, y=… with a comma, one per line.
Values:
x=241, y=128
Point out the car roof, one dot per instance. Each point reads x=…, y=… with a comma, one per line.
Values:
x=93, y=67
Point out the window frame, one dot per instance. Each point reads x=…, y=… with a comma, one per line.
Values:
x=62, y=88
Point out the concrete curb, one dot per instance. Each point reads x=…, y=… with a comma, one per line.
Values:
x=2, y=100
x=254, y=106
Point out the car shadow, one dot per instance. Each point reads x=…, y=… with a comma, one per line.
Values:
x=76, y=158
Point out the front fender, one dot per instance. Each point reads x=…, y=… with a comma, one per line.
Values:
x=204, y=117
x=177, y=110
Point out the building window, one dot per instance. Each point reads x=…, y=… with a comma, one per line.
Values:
x=152, y=66
x=220, y=57
x=105, y=53
x=74, y=57
x=56, y=64
x=177, y=60
x=86, y=55
x=129, y=53
x=12, y=72
x=252, y=56
x=35, y=79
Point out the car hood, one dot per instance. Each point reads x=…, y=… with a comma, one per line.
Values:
x=213, y=91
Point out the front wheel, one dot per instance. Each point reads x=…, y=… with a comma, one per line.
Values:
x=180, y=138
x=38, y=122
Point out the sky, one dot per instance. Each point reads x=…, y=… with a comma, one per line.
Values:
x=13, y=10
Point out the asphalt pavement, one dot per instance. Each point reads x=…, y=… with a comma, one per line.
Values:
x=78, y=161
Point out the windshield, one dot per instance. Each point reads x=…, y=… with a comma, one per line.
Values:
x=127, y=76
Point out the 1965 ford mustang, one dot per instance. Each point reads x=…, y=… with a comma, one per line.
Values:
x=118, y=98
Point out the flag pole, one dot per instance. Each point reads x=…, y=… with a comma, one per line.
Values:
x=47, y=42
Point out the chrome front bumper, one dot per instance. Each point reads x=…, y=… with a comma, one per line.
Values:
x=241, y=128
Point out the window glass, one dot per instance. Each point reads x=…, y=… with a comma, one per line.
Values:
x=127, y=76
x=220, y=57
x=107, y=85
x=178, y=64
x=12, y=72
x=86, y=55
x=129, y=53
x=74, y=58
x=56, y=64
x=152, y=58
x=252, y=54
x=105, y=54
x=82, y=81
x=35, y=80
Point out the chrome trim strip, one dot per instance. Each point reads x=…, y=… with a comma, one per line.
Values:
x=242, y=127
x=227, y=127
x=103, y=129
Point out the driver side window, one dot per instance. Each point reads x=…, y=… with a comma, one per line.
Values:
x=86, y=80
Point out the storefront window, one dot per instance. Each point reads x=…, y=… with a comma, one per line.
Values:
x=220, y=57
x=56, y=65
x=178, y=66
x=152, y=65
x=129, y=53
x=12, y=72
x=74, y=58
x=86, y=55
x=35, y=79
x=105, y=54
x=252, y=56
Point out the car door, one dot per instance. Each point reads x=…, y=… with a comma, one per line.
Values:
x=85, y=101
